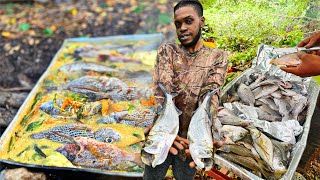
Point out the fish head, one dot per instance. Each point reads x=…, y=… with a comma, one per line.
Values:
x=146, y=157
x=107, y=135
x=49, y=107
x=202, y=156
x=70, y=151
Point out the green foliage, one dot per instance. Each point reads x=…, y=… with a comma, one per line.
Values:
x=239, y=26
x=164, y=18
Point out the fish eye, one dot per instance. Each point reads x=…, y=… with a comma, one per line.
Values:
x=109, y=140
x=148, y=142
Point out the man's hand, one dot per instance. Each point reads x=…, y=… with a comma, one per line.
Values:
x=311, y=41
x=216, y=145
x=179, y=144
x=310, y=65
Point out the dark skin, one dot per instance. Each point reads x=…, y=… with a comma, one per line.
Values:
x=310, y=65
x=187, y=23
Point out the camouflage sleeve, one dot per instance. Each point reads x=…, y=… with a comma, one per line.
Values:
x=163, y=73
x=216, y=78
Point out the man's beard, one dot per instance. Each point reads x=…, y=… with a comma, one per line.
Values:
x=194, y=41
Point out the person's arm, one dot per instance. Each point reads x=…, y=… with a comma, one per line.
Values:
x=216, y=78
x=163, y=73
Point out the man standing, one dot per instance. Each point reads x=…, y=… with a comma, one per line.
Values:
x=191, y=70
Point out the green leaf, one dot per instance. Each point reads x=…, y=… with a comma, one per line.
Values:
x=34, y=125
x=164, y=18
x=138, y=9
x=47, y=31
x=24, y=27
x=12, y=141
x=131, y=107
x=26, y=118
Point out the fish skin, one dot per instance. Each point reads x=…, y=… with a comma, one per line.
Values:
x=139, y=118
x=269, y=102
x=287, y=60
x=246, y=95
x=86, y=66
x=266, y=90
x=262, y=144
x=63, y=133
x=260, y=78
x=87, y=152
x=227, y=117
x=283, y=108
x=91, y=108
x=106, y=134
x=301, y=103
x=276, y=94
x=263, y=115
x=59, y=133
x=163, y=133
x=101, y=87
x=284, y=151
x=201, y=142
x=235, y=133
x=248, y=162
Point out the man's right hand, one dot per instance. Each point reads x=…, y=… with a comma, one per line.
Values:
x=313, y=40
x=179, y=144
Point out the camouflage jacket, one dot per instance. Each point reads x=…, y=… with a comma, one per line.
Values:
x=191, y=75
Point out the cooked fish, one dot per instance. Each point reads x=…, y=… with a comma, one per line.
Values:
x=63, y=133
x=287, y=60
x=88, y=152
x=139, y=118
x=87, y=66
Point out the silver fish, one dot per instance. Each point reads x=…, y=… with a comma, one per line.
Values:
x=248, y=162
x=87, y=66
x=263, y=115
x=235, y=133
x=162, y=134
x=246, y=95
x=263, y=145
x=300, y=105
x=227, y=117
x=265, y=90
x=283, y=108
x=201, y=146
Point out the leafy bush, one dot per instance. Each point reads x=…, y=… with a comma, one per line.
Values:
x=239, y=26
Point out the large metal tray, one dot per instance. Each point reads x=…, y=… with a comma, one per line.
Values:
x=261, y=64
x=153, y=42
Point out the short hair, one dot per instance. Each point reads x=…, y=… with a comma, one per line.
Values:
x=195, y=4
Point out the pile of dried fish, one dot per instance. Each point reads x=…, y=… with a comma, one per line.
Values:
x=261, y=119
